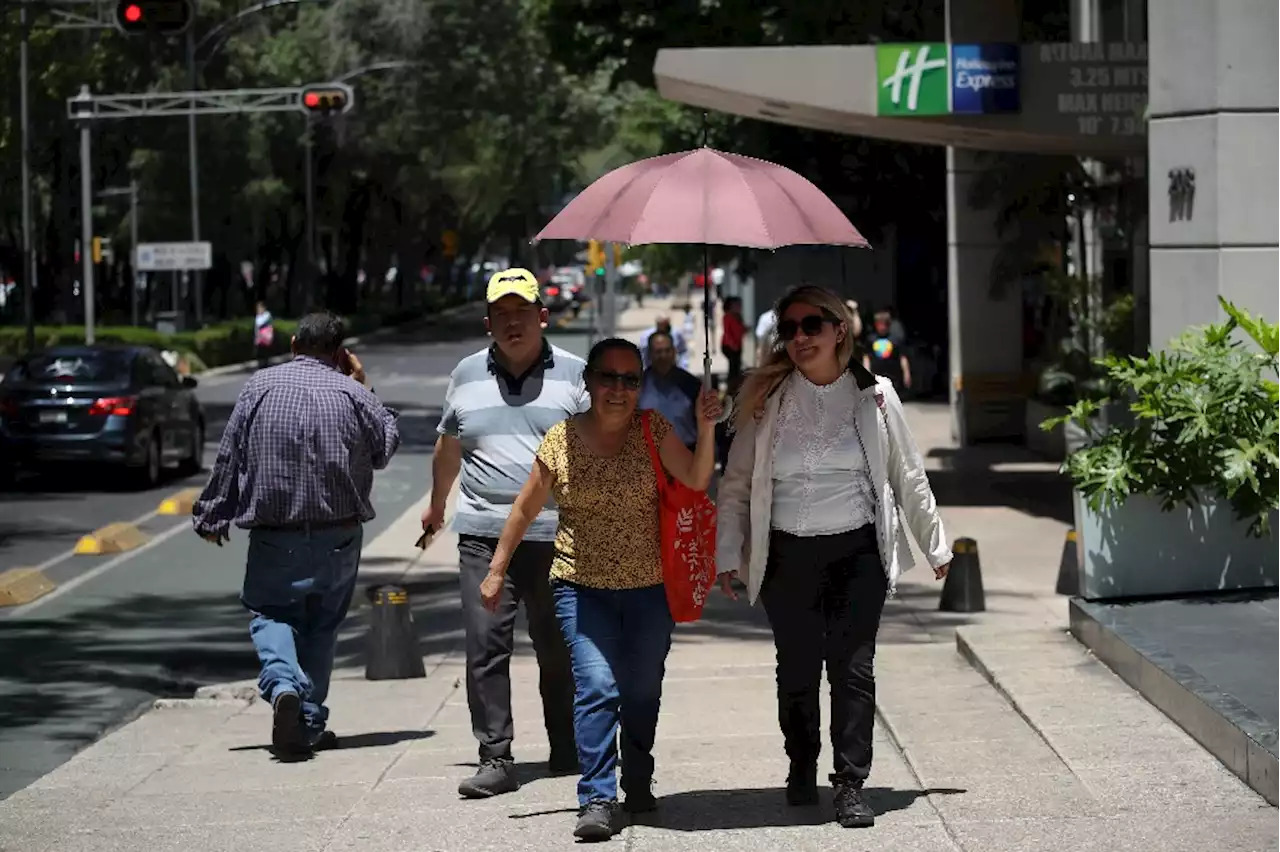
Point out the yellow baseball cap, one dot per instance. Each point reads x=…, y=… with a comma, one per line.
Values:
x=513, y=282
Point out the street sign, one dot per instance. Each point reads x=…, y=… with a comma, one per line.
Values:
x=163, y=257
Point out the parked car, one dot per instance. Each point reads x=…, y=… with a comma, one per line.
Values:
x=116, y=405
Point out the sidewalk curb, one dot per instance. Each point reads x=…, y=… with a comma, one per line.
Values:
x=236, y=691
x=197, y=703
x=368, y=337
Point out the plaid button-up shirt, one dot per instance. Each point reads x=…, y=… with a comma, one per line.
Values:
x=301, y=446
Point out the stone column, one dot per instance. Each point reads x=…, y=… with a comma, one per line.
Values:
x=1212, y=152
x=985, y=331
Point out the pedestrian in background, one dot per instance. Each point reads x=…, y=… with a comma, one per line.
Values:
x=731, y=337
x=681, y=338
x=669, y=390
x=295, y=468
x=500, y=403
x=885, y=353
x=607, y=574
x=264, y=334
x=821, y=467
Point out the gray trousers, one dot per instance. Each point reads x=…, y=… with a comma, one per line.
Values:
x=491, y=640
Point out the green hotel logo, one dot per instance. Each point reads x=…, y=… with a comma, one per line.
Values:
x=912, y=79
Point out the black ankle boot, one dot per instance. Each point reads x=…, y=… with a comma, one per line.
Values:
x=802, y=784
x=852, y=811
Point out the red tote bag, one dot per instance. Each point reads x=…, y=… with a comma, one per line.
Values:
x=687, y=520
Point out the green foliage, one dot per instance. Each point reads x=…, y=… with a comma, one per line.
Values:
x=1205, y=424
x=1071, y=374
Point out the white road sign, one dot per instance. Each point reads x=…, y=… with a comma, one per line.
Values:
x=162, y=257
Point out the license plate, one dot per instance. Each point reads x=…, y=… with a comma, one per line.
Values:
x=53, y=417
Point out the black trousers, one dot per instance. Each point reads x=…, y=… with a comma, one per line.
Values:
x=491, y=640
x=734, y=357
x=824, y=595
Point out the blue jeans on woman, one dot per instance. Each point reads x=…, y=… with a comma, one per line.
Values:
x=618, y=641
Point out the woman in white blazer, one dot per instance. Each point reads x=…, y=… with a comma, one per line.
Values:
x=822, y=464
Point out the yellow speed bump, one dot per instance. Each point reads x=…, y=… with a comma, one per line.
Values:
x=113, y=538
x=180, y=503
x=23, y=585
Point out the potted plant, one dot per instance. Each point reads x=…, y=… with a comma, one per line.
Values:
x=1183, y=498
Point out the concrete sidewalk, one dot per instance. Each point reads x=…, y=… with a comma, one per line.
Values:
x=1063, y=756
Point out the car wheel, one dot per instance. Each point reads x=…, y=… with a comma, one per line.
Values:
x=194, y=463
x=148, y=476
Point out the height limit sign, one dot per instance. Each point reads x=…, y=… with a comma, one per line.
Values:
x=174, y=257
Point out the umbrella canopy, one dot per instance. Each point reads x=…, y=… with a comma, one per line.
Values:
x=704, y=196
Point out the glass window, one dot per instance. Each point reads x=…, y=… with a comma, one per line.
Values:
x=72, y=368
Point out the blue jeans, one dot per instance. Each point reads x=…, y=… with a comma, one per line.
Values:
x=298, y=585
x=618, y=642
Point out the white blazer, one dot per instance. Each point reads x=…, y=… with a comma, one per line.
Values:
x=745, y=499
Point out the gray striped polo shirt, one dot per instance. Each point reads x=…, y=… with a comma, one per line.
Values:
x=500, y=421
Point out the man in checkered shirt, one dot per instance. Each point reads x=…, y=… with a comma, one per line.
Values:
x=295, y=468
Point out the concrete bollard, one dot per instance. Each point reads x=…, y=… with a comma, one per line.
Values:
x=391, y=649
x=1069, y=567
x=962, y=591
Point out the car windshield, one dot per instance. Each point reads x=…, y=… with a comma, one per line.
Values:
x=72, y=368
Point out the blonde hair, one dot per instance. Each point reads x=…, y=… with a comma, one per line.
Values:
x=762, y=381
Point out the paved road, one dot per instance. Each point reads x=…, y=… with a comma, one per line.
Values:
x=165, y=619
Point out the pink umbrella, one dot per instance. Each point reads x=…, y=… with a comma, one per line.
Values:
x=704, y=196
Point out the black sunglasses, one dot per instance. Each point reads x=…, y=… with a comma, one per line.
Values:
x=810, y=325
x=629, y=381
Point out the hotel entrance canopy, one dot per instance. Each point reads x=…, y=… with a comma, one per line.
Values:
x=1072, y=98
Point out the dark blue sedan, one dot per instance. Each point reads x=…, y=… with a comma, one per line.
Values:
x=117, y=405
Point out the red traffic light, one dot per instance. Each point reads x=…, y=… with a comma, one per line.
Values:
x=166, y=17
x=327, y=99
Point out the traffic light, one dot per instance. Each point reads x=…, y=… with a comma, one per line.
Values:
x=166, y=17
x=327, y=99
x=595, y=257
x=97, y=249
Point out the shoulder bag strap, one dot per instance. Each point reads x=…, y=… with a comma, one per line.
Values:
x=653, y=452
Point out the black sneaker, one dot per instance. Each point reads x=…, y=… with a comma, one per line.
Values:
x=596, y=821
x=326, y=740
x=802, y=785
x=494, y=777
x=852, y=811
x=642, y=801
x=286, y=724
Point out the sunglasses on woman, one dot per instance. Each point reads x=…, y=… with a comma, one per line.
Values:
x=627, y=381
x=810, y=325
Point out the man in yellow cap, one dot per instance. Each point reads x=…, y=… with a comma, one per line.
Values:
x=500, y=403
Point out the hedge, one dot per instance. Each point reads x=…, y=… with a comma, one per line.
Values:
x=213, y=346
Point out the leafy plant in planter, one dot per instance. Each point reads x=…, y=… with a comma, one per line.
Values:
x=1205, y=424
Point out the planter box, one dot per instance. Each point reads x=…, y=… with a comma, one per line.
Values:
x=1050, y=445
x=1136, y=550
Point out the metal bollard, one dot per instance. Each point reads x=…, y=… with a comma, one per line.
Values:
x=1069, y=567
x=391, y=648
x=962, y=591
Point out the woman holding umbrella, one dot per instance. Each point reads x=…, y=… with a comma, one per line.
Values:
x=607, y=576
x=809, y=511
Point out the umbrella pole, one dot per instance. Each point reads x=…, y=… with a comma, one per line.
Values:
x=706, y=319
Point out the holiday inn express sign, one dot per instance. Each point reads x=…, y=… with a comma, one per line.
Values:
x=930, y=79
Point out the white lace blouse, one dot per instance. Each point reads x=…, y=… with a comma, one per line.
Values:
x=821, y=484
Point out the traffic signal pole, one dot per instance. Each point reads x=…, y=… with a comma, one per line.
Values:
x=193, y=175
x=86, y=229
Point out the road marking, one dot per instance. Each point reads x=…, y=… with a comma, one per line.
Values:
x=113, y=538
x=23, y=585
x=98, y=570
x=67, y=554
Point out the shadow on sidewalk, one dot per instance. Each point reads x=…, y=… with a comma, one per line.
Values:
x=152, y=646
x=373, y=739
x=972, y=477
x=716, y=810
